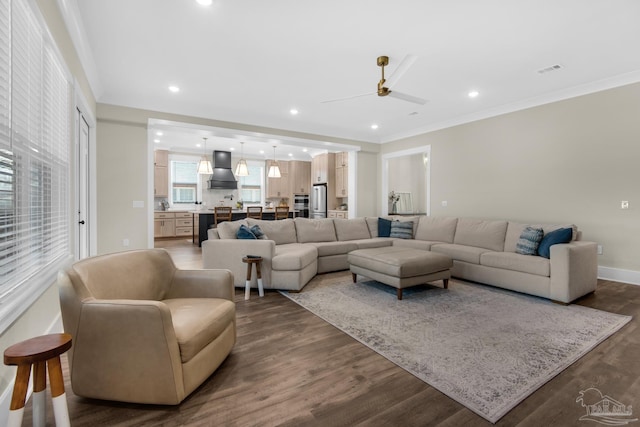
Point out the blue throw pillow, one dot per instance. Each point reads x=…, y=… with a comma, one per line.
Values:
x=402, y=229
x=257, y=231
x=245, y=233
x=561, y=235
x=529, y=241
x=384, y=227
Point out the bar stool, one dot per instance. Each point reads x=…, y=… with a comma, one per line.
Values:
x=250, y=261
x=38, y=351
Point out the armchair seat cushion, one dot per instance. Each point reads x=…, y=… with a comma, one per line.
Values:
x=198, y=321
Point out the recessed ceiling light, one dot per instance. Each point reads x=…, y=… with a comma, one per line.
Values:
x=174, y=89
x=304, y=150
x=232, y=149
x=198, y=145
x=290, y=154
x=473, y=94
x=374, y=126
x=159, y=133
x=205, y=2
x=293, y=111
x=156, y=140
x=261, y=151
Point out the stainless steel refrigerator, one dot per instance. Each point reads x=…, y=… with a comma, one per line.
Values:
x=319, y=201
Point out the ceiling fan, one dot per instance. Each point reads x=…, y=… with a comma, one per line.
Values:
x=384, y=86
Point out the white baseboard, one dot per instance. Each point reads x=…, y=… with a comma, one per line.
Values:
x=5, y=398
x=619, y=275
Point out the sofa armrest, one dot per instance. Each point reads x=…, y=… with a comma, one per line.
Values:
x=574, y=270
x=216, y=283
x=228, y=254
x=109, y=333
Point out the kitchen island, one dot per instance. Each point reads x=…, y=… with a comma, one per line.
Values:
x=207, y=219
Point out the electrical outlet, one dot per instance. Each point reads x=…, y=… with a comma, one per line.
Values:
x=624, y=204
x=125, y=242
x=444, y=203
x=599, y=249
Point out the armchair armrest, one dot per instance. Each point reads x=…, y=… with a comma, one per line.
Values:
x=228, y=253
x=574, y=270
x=216, y=283
x=139, y=332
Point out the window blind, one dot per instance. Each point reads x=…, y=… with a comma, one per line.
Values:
x=34, y=160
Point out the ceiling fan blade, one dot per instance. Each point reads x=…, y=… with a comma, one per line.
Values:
x=406, y=63
x=347, y=97
x=405, y=97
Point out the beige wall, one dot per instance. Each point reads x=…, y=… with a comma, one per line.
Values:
x=569, y=161
x=367, y=184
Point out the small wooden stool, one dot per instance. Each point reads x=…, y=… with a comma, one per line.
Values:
x=38, y=351
x=247, y=287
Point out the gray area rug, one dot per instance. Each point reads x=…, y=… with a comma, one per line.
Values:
x=486, y=348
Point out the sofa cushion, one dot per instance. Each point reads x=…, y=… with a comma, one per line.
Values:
x=372, y=225
x=514, y=230
x=414, y=244
x=529, y=241
x=351, y=229
x=384, y=227
x=511, y=261
x=198, y=321
x=245, y=232
x=374, y=242
x=562, y=235
x=334, y=248
x=464, y=253
x=282, y=231
x=315, y=230
x=229, y=229
x=401, y=229
x=437, y=229
x=293, y=256
x=481, y=233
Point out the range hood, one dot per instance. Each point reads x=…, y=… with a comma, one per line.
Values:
x=222, y=178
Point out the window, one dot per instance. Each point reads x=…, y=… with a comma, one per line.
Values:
x=184, y=181
x=34, y=161
x=251, y=188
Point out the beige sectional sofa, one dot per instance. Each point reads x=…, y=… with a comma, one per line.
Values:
x=482, y=250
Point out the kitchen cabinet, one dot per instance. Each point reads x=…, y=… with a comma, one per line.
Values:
x=319, y=166
x=342, y=174
x=278, y=187
x=338, y=214
x=164, y=224
x=161, y=173
x=299, y=177
x=184, y=224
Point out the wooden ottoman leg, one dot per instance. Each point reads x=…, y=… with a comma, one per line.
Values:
x=247, y=284
x=39, y=394
x=259, y=274
x=60, y=410
x=446, y=283
x=354, y=276
x=399, y=293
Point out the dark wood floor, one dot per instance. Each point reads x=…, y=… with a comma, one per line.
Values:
x=291, y=368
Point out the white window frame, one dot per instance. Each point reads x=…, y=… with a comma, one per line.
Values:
x=262, y=165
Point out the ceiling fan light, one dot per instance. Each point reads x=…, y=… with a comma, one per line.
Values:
x=241, y=168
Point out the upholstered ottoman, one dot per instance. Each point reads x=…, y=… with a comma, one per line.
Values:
x=400, y=267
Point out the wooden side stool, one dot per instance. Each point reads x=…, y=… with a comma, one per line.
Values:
x=38, y=351
x=247, y=287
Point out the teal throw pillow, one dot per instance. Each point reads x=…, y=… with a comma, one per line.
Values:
x=384, y=227
x=402, y=229
x=257, y=231
x=561, y=235
x=245, y=233
x=529, y=241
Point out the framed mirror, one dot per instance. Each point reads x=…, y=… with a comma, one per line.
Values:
x=407, y=174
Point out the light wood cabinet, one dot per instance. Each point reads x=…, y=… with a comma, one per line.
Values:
x=161, y=173
x=278, y=187
x=299, y=177
x=164, y=224
x=184, y=223
x=338, y=214
x=342, y=174
x=319, y=166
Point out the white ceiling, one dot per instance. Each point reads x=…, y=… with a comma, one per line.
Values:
x=251, y=61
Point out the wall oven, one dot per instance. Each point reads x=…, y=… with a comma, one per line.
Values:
x=301, y=205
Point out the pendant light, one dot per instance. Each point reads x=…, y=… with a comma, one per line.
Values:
x=274, y=169
x=204, y=165
x=241, y=167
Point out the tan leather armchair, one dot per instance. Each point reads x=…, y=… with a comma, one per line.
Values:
x=144, y=331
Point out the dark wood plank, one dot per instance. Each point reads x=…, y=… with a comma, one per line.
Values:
x=291, y=368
